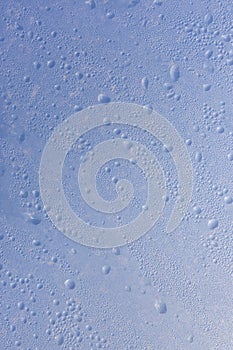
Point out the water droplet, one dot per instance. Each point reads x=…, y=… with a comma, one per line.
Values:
x=91, y=3
x=127, y=288
x=212, y=224
x=59, y=339
x=206, y=87
x=208, y=19
x=39, y=286
x=103, y=98
x=230, y=61
x=70, y=284
x=174, y=73
x=51, y=63
x=35, y=193
x=190, y=339
x=208, y=53
x=230, y=156
x=197, y=210
x=161, y=307
x=157, y=2
x=36, y=64
x=228, y=199
x=198, y=156
x=35, y=242
x=32, y=218
x=17, y=343
x=21, y=305
x=110, y=15
x=145, y=83
x=116, y=251
x=23, y=194
x=106, y=269
x=79, y=75
x=220, y=129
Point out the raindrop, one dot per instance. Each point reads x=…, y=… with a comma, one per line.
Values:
x=174, y=73
x=161, y=307
x=212, y=224
x=228, y=199
x=21, y=305
x=145, y=83
x=230, y=156
x=206, y=87
x=51, y=63
x=106, y=269
x=59, y=339
x=208, y=19
x=103, y=98
x=69, y=284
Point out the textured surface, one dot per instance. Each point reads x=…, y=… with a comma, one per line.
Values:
x=163, y=291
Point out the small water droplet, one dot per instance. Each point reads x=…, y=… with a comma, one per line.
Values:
x=212, y=224
x=106, y=269
x=161, y=307
x=103, y=98
x=70, y=284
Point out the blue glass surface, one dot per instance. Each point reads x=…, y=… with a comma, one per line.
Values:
x=151, y=81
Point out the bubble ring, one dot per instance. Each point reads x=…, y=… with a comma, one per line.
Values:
x=66, y=134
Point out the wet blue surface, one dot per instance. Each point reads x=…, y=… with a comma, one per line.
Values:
x=163, y=291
